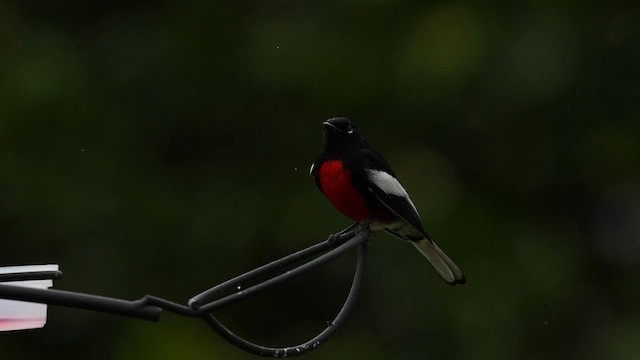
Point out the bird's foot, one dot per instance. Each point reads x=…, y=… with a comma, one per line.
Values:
x=333, y=239
x=338, y=238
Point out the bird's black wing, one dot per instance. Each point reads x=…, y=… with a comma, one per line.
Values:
x=388, y=190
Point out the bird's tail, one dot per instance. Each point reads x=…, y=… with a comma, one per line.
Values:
x=449, y=271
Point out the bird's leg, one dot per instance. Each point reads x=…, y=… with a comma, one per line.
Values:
x=371, y=236
x=372, y=233
x=335, y=239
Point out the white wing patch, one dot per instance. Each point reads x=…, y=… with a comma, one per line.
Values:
x=311, y=169
x=390, y=185
x=387, y=183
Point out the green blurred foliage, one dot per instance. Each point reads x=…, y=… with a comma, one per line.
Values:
x=162, y=147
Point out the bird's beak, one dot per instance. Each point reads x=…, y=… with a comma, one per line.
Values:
x=328, y=125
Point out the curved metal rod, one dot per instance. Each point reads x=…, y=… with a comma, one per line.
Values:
x=150, y=307
x=291, y=351
x=360, y=237
x=209, y=295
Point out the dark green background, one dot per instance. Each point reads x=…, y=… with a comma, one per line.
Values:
x=163, y=147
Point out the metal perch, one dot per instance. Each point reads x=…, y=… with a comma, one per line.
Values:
x=204, y=304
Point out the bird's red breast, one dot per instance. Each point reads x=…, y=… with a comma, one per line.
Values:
x=336, y=184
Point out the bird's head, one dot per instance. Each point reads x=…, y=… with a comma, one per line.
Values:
x=340, y=131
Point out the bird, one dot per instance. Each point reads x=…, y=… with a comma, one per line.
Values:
x=360, y=183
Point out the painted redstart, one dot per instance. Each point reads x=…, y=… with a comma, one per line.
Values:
x=360, y=183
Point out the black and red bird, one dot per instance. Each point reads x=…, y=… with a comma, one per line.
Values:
x=361, y=184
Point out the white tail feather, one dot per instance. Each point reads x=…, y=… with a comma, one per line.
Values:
x=449, y=271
